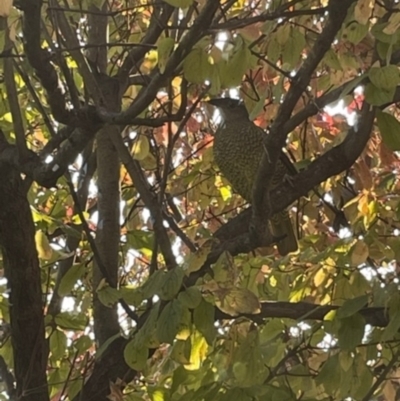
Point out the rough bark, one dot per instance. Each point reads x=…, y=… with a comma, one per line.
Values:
x=21, y=265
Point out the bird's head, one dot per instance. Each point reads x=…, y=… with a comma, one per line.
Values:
x=230, y=109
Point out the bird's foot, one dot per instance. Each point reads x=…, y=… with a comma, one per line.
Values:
x=289, y=179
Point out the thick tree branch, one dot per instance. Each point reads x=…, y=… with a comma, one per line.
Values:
x=39, y=59
x=21, y=265
x=276, y=140
x=303, y=311
x=333, y=162
x=105, y=317
x=8, y=378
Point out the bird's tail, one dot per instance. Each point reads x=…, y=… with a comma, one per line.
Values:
x=281, y=227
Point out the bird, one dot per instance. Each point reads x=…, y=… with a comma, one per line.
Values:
x=238, y=151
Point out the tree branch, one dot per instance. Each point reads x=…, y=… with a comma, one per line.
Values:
x=22, y=270
x=303, y=311
x=276, y=140
x=333, y=162
x=148, y=93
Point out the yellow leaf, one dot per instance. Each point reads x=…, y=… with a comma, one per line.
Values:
x=225, y=193
x=198, y=351
x=43, y=247
x=141, y=148
x=363, y=10
x=320, y=277
x=363, y=206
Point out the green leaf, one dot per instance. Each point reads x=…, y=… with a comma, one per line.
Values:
x=274, y=49
x=364, y=378
x=172, y=283
x=74, y=387
x=393, y=327
x=136, y=355
x=203, y=318
x=231, y=72
x=58, y=344
x=293, y=48
x=386, y=77
x=181, y=352
x=153, y=285
x=346, y=360
x=378, y=31
x=329, y=375
x=147, y=334
x=351, y=332
x=332, y=60
x=180, y=3
x=378, y=96
x=352, y=306
x=108, y=296
x=197, y=67
x=168, y=323
x=164, y=49
x=74, y=273
x=389, y=128
x=271, y=329
x=283, y=34
x=196, y=259
x=83, y=343
x=300, y=379
x=185, y=324
x=191, y=297
x=132, y=296
x=141, y=240
x=71, y=321
x=248, y=365
x=355, y=32
x=133, y=396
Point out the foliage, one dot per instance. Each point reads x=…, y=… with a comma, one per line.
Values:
x=151, y=285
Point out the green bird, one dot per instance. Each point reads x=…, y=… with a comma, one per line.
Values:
x=238, y=150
